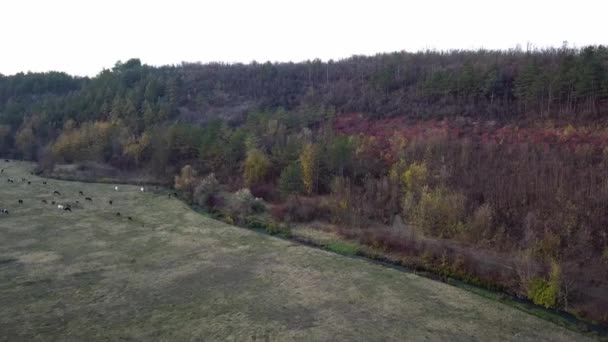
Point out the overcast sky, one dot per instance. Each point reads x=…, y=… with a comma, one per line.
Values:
x=82, y=37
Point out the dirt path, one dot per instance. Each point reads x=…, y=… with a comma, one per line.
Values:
x=171, y=274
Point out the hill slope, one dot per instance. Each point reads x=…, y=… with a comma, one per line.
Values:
x=170, y=273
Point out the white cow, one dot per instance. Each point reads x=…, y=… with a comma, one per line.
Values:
x=116, y=188
x=141, y=189
x=59, y=206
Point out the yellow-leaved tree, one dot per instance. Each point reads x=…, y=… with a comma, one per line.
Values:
x=134, y=148
x=186, y=180
x=256, y=166
x=310, y=168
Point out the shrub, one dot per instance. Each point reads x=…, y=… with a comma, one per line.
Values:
x=440, y=212
x=186, y=179
x=343, y=248
x=270, y=227
x=298, y=211
x=258, y=205
x=265, y=191
x=279, y=212
x=546, y=292
x=242, y=203
x=480, y=224
x=206, y=190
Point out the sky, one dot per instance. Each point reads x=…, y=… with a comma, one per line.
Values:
x=83, y=37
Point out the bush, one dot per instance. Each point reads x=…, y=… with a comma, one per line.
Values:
x=186, y=181
x=278, y=212
x=206, y=190
x=546, y=292
x=303, y=211
x=258, y=205
x=439, y=213
x=242, y=203
x=343, y=248
x=265, y=191
x=270, y=227
x=481, y=223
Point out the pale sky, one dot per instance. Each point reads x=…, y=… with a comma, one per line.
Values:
x=82, y=37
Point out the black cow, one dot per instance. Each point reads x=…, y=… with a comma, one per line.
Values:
x=88, y=199
x=80, y=193
x=67, y=208
x=28, y=182
x=129, y=218
x=44, y=201
x=56, y=193
x=21, y=201
x=110, y=201
x=44, y=182
x=52, y=202
x=118, y=214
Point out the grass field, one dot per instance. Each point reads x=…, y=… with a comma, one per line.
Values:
x=172, y=274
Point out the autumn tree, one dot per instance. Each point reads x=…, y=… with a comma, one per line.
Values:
x=310, y=168
x=135, y=147
x=186, y=181
x=26, y=142
x=290, y=182
x=255, y=167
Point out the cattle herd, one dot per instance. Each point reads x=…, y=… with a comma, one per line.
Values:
x=63, y=205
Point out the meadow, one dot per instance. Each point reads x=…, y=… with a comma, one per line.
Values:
x=169, y=273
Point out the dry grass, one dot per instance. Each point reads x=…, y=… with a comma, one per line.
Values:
x=171, y=274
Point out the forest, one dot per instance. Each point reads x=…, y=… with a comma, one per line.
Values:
x=486, y=166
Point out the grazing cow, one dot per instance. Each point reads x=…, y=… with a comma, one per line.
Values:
x=115, y=188
x=110, y=201
x=44, y=182
x=52, y=202
x=67, y=209
x=44, y=201
x=129, y=218
x=59, y=206
x=56, y=193
x=80, y=193
x=118, y=214
x=28, y=182
x=4, y=211
x=88, y=199
x=20, y=201
x=10, y=180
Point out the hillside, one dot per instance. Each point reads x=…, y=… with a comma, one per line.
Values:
x=443, y=161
